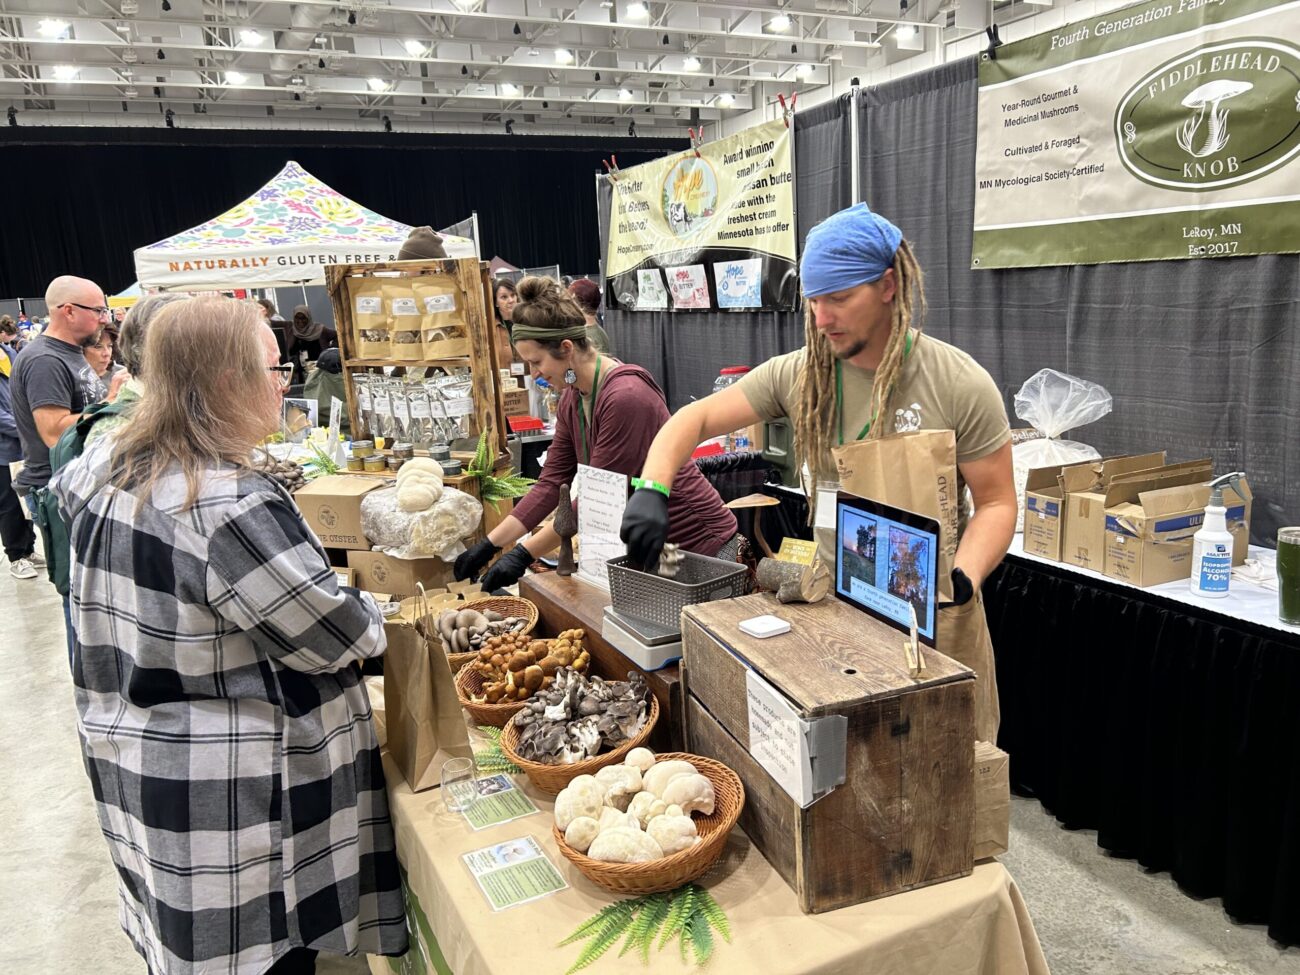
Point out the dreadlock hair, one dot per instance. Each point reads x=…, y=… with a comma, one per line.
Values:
x=815, y=417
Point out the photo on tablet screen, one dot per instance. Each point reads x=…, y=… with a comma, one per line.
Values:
x=887, y=563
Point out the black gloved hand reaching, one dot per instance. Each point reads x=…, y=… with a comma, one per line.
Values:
x=508, y=569
x=471, y=562
x=962, y=589
x=645, y=526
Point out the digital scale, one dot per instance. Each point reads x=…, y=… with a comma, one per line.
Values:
x=648, y=645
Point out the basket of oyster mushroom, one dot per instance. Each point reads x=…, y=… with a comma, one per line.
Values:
x=650, y=824
x=577, y=725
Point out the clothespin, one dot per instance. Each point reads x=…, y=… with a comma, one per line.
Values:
x=611, y=167
x=995, y=42
x=697, y=140
x=787, y=112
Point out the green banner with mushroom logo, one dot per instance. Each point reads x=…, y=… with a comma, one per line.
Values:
x=1165, y=130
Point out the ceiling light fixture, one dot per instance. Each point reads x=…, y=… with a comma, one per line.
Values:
x=904, y=32
x=803, y=71
x=124, y=28
x=161, y=56
x=636, y=11
x=563, y=56
x=597, y=75
x=320, y=63
x=509, y=89
x=352, y=18
x=631, y=128
x=64, y=72
x=691, y=64
x=726, y=99
x=779, y=23
x=666, y=41
x=52, y=28
x=414, y=48
x=516, y=29
x=510, y=126
x=794, y=48
x=251, y=38
x=464, y=69
x=166, y=8
x=169, y=116
x=377, y=84
x=236, y=78
x=13, y=116
x=388, y=124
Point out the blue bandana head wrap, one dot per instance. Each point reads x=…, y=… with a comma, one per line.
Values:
x=849, y=248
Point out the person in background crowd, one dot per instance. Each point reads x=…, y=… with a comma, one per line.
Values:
x=325, y=384
x=422, y=244
x=10, y=337
x=506, y=297
x=865, y=351
x=587, y=295
x=16, y=532
x=52, y=384
x=608, y=415
x=223, y=720
x=98, y=350
x=278, y=326
x=307, y=339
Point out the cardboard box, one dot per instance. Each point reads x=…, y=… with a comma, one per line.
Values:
x=331, y=506
x=1045, y=511
x=992, y=800
x=1150, y=524
x=346, y=577
x=377, y=572
x=1083, y=487
x=515, y=402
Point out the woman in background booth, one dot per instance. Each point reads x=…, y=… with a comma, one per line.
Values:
x=587, y=295
x=608, y=416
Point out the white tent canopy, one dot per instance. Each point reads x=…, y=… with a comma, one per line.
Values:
x=284, y=234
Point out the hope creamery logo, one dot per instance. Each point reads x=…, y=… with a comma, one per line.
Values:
x=689, y=196
x=1221, y=114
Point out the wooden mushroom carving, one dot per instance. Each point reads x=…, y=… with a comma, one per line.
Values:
x=566, y=526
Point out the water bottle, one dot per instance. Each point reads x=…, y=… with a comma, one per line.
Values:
x=737, y=440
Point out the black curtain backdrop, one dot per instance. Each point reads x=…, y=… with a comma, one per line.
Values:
x=79, y=201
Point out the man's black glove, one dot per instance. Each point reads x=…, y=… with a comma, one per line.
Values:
x=645, y=526
x=508, y=569
x=962, y=590
x=471, y=562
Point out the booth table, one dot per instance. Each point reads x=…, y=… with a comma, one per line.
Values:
x=1163, y=722
x=977, y=925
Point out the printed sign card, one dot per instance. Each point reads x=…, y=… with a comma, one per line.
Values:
x=739, y=283
x=689, y=286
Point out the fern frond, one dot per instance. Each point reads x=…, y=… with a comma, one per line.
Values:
x=584, y=929
x=647, y=908
x=604, y=937
x=697, y=932
x=709, y=908
x=683, y=904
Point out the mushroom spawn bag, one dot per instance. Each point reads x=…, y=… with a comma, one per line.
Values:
x=434, y=533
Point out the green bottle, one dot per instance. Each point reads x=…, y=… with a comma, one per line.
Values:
x=1288, y=575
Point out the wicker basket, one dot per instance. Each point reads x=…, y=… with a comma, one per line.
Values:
x=470, y=682
x=552, y=778
x=506, y=606
x=660, y=600
x=676, y=869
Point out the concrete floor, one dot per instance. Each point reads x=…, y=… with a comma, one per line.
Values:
x=1095, y=915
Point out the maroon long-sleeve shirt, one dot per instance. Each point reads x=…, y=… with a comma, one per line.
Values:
x=630, y=409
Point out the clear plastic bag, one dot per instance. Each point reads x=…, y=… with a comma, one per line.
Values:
x=434, y=533
x=1053, y=403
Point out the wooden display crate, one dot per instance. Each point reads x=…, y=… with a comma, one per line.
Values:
x=475, y=286
x=904, y=815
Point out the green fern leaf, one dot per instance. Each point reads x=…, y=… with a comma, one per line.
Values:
x=700, y=936
x=682, y=906
x=660, y=908
x=649, y=907
x=709, y=908
x=604, y=937
x=586, y=928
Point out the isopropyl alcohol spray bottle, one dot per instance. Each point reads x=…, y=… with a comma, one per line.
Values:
x=1212, y=545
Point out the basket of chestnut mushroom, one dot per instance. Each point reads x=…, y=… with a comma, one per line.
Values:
x=510, y=668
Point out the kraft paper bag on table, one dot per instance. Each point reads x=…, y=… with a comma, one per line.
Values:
x=914, y=471
x=423, y=720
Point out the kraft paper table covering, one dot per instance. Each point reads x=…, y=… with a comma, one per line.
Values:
x=977, y=925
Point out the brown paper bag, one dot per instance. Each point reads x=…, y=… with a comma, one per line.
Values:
x=424, y=721
x=916, y=472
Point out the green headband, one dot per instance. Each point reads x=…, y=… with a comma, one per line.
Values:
x=538, y=334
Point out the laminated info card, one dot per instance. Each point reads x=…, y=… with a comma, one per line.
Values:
x=739, y=283
x=689, y=286
x=514, y=872
x=601, y=501
x=498, y=802
x=650, y=290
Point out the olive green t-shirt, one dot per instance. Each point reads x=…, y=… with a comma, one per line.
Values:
x=940, y=388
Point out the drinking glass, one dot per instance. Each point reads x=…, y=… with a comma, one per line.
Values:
x=459, y=785
x=1288, y=575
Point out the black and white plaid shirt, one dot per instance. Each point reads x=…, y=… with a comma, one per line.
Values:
x=226, y=732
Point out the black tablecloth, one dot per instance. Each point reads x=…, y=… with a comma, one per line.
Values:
x=1172, y=732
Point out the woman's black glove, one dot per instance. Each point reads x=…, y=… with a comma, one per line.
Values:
x=508, y=569
x=962, y=589
x=471, y=562
x=645, y=526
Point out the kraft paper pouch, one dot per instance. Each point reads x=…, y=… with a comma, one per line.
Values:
x=369, y=318
x=442, y=323
x=916, y=472
x=424, y=722
x=404, y=320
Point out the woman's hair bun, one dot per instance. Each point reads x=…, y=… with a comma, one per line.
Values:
x=543, y=303
x=537, y=288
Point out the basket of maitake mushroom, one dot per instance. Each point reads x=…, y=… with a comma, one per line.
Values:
x=510, y=668
x=649, y=824
x=578, y=725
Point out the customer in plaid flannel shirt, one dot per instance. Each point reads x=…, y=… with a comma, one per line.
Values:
x=225, y=728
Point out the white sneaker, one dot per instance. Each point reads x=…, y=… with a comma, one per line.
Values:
x=23, y=569
x=36, y=560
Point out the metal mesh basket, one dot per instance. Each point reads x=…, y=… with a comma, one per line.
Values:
x=650, y=597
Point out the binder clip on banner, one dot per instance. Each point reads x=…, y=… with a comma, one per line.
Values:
x=697, y=140
x=611, y=168
x=787, y=111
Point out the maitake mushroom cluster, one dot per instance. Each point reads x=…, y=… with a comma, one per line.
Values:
x=516, y=667
x=640, y=810
x=576, y=717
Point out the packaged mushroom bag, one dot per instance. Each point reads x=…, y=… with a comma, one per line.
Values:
x=404, y=318
x=442, y=328
x=370, y=318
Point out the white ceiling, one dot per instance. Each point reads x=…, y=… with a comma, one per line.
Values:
x=539, y=63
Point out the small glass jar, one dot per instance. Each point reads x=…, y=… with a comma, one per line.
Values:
x=404, y=450
x=363, y=448
x=374, y=464
x=440, y=452
x=395, y=463
x=450, y=468
x=356, y=463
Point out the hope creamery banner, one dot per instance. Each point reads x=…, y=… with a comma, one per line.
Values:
x=1164, y=130
x=713, y=230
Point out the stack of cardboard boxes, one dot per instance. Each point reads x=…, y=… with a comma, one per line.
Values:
x=1131, y=518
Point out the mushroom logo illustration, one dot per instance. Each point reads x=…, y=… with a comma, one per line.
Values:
x=1206, y=102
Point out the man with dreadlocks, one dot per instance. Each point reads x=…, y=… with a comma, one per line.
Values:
x=864, y=355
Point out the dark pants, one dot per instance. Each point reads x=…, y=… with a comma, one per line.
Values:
x=298, y=961
x=15, y=531
x=68, y=630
